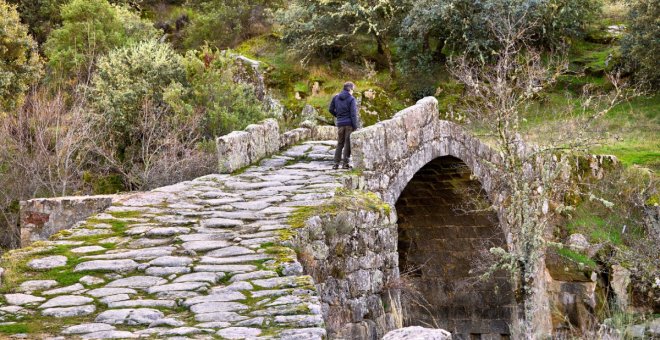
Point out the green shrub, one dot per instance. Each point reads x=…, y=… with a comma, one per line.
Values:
x=225, y=104
x=20, y=64
x=41, y=16
x=641, y=46
x=128, y=77
x=90, y=29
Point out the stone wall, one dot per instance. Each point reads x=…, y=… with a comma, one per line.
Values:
x=390, y=152
x=352, y=257
x=42, y=217
x=239, y=149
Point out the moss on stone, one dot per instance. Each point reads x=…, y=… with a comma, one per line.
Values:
x=344, y=200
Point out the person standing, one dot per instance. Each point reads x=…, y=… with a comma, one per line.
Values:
x=344, y=107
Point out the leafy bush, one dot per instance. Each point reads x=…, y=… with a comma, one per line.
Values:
x=90, y=29
x=129, y=76
x=432, y=28
x=641, y=46
x=225, y=23
x=20, y=64
x=225, y=104
x=41, y=16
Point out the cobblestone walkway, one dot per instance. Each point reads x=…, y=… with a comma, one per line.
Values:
x=196, y=260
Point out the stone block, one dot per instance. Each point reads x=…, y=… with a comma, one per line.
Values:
x=233, y=151
x=42, y=217
x=395, y=139
x=325, y=132
x=368, y=148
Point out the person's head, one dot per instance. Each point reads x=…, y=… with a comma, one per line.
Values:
x=349, y=86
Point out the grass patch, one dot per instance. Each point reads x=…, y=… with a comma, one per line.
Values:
x=16, y=328
x=344, y=200
x=577, y=257
x=126, y=214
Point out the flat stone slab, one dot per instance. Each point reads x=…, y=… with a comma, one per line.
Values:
x=102, y=292
x=87, y=249
x=67, y=301
x=138, y=254
x=142, y=303
x=217, y=306
x=253, y=275
x=200, y=277
x=111, y=335
x=231, y=251
x=228, y=268
x=69, y=312
x=22, y=299
x=226, y=296
x=88, y=328
x=49, y=262
x=137, y=282
x=234, y=259
x=89, y=280
x=204, y=245
x=221, y=223
x=167, y=231
x=130, y=316
x=220, y=317
x=239, y=333
x=171, y=261
x=36, y=285
x=167, y=271
x=417, y=332
x=107, y=265
x=191, y=286
x=77, y=287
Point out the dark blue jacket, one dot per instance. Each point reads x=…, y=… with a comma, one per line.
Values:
x=344, y=107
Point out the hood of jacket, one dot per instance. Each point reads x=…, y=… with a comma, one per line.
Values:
x=344, y=95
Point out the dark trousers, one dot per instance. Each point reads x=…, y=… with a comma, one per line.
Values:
x=343, y=142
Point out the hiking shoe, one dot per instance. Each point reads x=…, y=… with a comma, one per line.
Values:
x=335, y=167
x=346, y=166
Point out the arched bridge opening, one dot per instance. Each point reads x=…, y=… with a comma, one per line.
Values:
x=443, y=236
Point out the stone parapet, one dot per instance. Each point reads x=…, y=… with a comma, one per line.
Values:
x=42, y=217
x=239, y=149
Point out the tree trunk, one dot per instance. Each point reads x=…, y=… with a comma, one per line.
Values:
x=384, y=50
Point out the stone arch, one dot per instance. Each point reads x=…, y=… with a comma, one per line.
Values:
x=390, y=155
x=437, y=248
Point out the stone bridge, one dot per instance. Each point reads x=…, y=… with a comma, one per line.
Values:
x=278, y=246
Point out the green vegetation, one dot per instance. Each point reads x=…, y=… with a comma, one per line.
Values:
x=578, y=258
x=20, y=64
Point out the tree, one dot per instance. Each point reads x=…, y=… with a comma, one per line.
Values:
x=225, y=104
x=225, y=23
x=461, y=26
x=41, y=16
x=20, y=64
x=530, y=180
x=641, y=44
x=310, y=27
x=142, y=138
x=90, y=29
